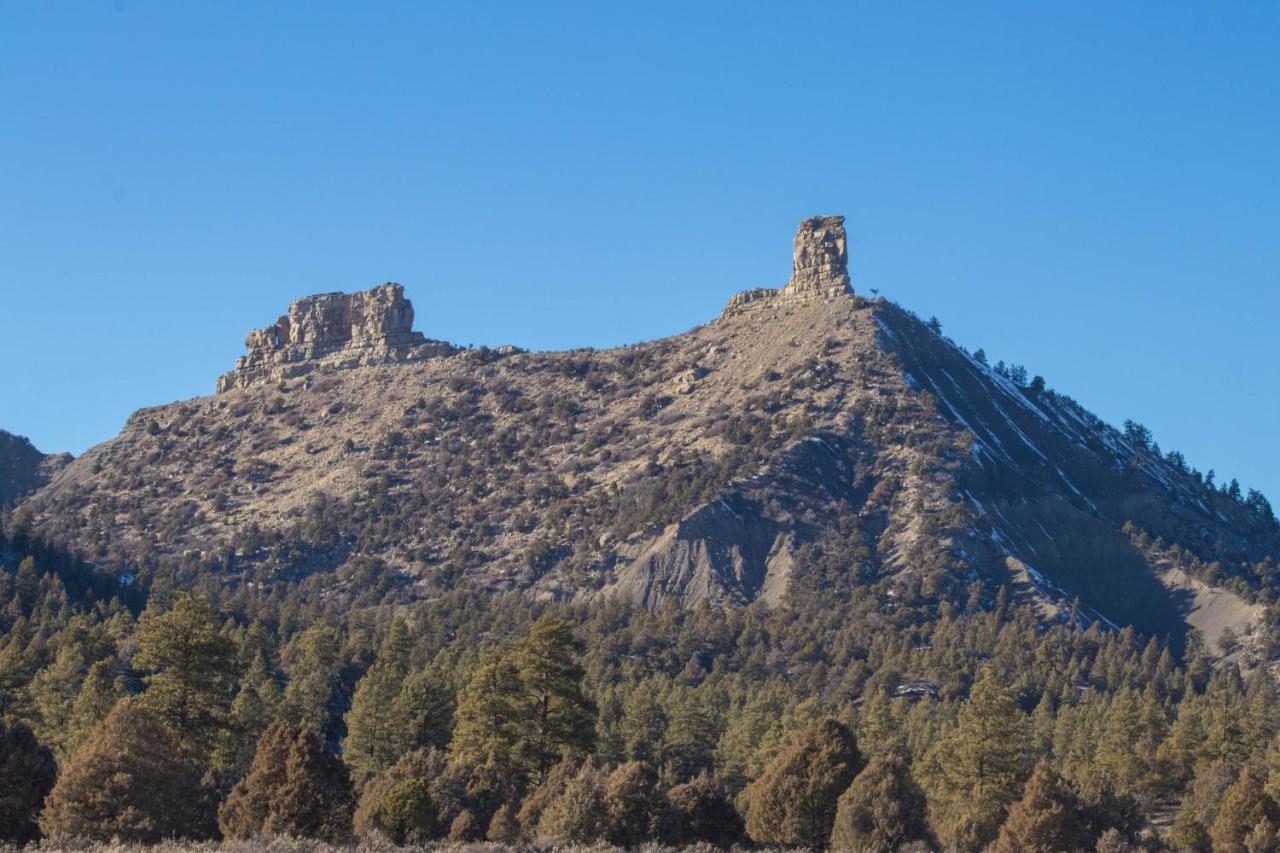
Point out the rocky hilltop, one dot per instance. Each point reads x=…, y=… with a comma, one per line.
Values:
x=336, y=330
x=23, y=469
x=819, y=268
x=805, y=434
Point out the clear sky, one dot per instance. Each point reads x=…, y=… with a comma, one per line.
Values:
x=1092, y=189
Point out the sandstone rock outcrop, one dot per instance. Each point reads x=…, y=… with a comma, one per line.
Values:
x=820, y=260
x=819, y=267
x=334, y=329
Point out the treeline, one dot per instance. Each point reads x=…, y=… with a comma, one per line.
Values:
x=880, y=709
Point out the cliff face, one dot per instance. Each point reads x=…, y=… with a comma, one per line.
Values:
x=713, y=466
x=336, y=330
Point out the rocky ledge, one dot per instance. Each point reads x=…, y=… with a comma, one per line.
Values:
x=819, y=267
x=337, y=330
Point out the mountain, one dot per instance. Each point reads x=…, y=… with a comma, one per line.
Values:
x=805, y=428
x=23, y=469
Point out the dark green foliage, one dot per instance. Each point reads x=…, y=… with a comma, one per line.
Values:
x=704, y=814
x=557, y=716
x=372, y=813
x=27, y=773
x=408, y=813
x=191, y=684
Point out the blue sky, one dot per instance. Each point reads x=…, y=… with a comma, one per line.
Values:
x=1092, y=189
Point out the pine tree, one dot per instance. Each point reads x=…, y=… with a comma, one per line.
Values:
x=1046, y=820
x=131, y=779
x=882, y=809
x=974, y=774
x=489, y=718
x=424, y=710
x=558, y=716
x=27, y=773
x=103, y=687
x=793, y=803
x=313, y=666
x=193, y=672
x=375, y=735
x=254, y=708
x=689, y=747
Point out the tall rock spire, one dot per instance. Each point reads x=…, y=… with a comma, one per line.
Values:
x=820, y=262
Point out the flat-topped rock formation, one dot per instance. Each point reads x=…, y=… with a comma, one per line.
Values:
x=819, y=267
x=335, y=329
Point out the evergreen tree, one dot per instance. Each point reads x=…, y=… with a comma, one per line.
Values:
x=537, y=802
x=882, y=809
x=793, y=803
x=103, y=687
x=636, y=807
x=1046, y=820
x=27, y=773
x=504, y=828
x=131, y=779
x=373, y=814
x=313, y=666
x=424, y=710
x=689, y=748
x=577, y=815
x=254, y=708
x=1244, y=806
x=375, y=735
x=976, y=772
x=294, y=787
x=489, y=716
x=703, y=814
x=558, y=716
x=408, y=814
x=193, y=672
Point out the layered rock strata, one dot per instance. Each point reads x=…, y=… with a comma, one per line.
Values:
x=819, y=267
x=337, y=330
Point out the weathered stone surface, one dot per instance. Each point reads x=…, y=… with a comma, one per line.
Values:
x=819, y=268
x=337, y=330
x=820, y=261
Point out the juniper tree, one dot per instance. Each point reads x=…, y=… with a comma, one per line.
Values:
x=1046, y=820
x=27, y=772
x=131, y=779
x=295, y=786
x=793, y=803
x=882, y=809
